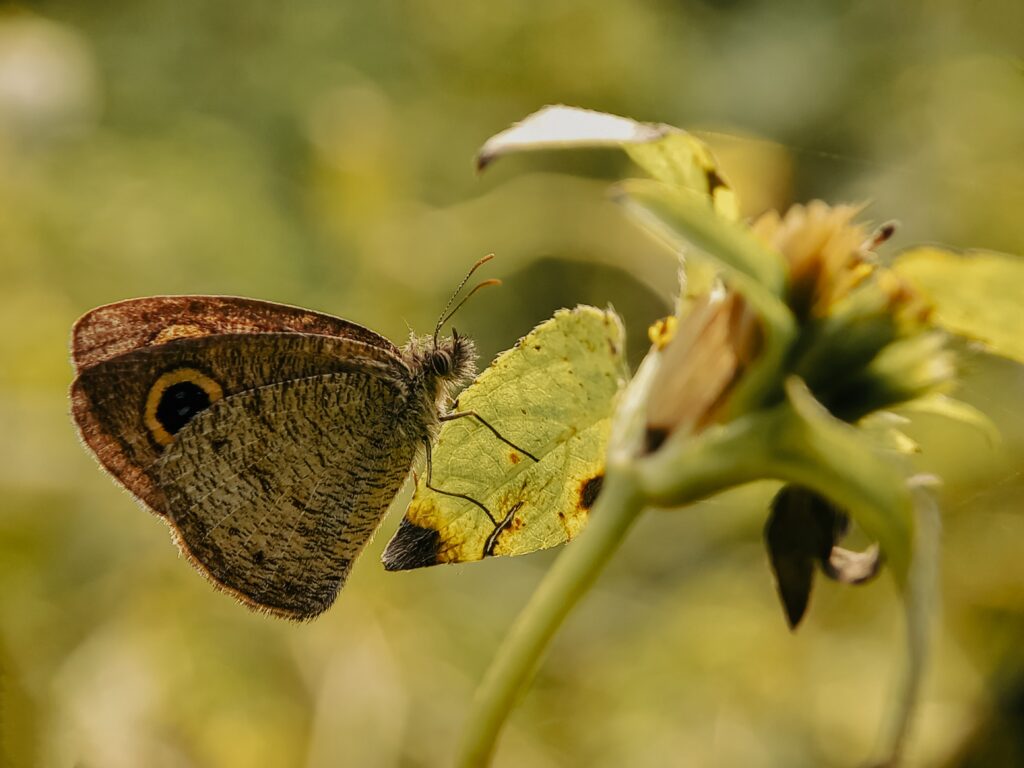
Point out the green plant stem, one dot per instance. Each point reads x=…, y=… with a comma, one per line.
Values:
x=920, y=608
x=618, y=506
x=798, y=442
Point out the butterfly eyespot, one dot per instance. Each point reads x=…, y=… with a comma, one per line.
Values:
x=175, y=398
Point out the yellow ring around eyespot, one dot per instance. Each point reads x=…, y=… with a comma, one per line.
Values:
x=212, y=389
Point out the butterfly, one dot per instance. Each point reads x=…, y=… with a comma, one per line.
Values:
x=271, y=439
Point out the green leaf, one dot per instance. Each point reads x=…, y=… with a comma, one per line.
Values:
x=684, y=162
x=667, y=153
x=553, y=395
x=955, y=410
x=979, y=295
x=680, y=218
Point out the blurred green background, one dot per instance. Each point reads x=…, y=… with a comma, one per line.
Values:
x=319, y=153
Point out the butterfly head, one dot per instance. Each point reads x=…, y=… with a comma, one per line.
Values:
x=453, y=358
x=441, y=365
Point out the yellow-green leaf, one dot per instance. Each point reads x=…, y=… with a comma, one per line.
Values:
x=667, y=153
x=956, y=410
x=686, y=162
x=679, y=219
x=979, y=295
x=552, y=395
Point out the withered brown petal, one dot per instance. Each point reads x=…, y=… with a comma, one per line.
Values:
x=804, y=527
x=797, y=533
x=848, y=567
x=794, y=575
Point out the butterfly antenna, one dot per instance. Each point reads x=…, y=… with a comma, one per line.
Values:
x=445, y=314
x=467, y=297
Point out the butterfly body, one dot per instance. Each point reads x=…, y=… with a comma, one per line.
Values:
x=270, y=438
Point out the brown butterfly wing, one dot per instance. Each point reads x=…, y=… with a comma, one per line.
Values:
x=274, y=492
x=109, y=399
x=115, y=329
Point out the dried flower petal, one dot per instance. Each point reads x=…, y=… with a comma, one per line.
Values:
x=709, y=349
x=823, y=248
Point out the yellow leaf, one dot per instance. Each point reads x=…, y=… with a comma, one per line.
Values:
x=667, y=153
x=979, y=295
x=552, y=394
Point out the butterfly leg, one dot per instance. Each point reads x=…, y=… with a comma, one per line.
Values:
x=435, y=489
x=497, y=434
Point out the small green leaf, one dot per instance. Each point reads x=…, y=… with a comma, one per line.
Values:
x=680, y=218
x=552, y=394
x=667, y=153
x=979, y=295
x=956, y=410
x=683, y=161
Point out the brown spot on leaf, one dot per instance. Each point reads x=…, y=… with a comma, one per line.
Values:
x=513, y=457
x=714, y=181
x=590, y=489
